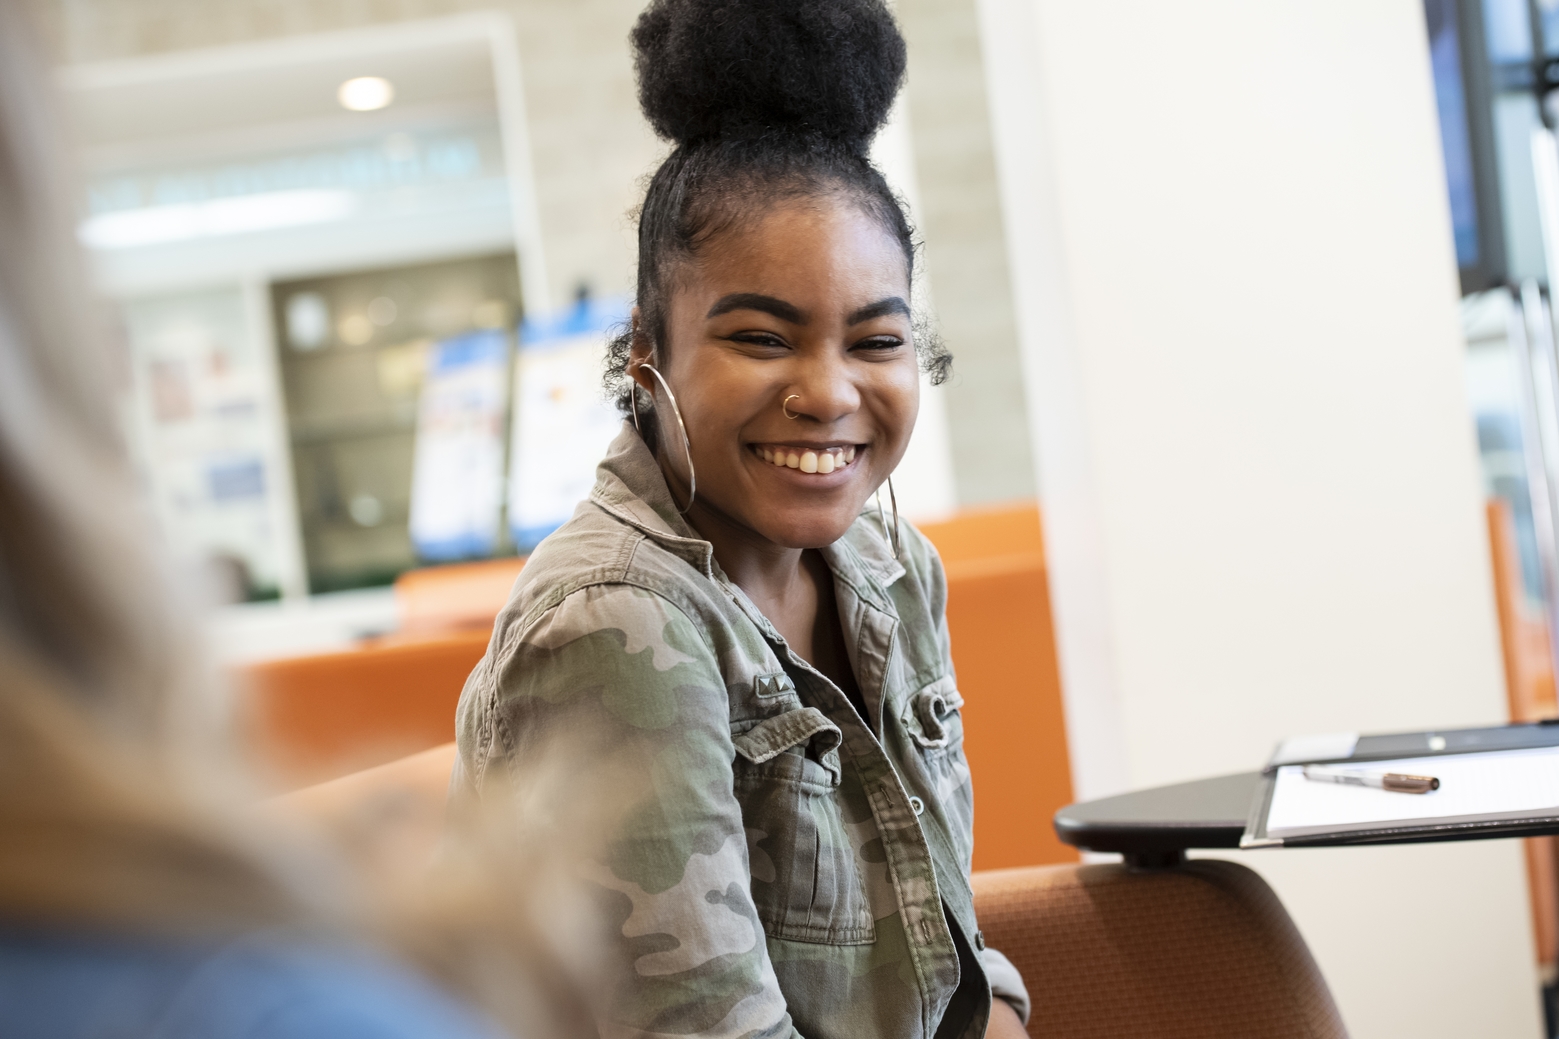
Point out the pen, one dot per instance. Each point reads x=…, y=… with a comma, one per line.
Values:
x=1398, y=781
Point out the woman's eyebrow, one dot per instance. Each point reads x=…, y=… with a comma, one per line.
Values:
x=882, y=308
x=755, y=301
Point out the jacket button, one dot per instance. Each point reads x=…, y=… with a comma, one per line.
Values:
x=917, y=805
x=979, y=940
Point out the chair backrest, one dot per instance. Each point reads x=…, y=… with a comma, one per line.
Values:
x=1190, y=952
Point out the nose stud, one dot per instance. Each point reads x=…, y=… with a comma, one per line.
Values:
x=786, y=410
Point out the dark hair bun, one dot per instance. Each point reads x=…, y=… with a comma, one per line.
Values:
x=728, y=68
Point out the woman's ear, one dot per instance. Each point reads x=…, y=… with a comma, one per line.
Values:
x=641, y=352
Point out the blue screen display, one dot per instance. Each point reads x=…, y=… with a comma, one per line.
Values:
x=1445, y=57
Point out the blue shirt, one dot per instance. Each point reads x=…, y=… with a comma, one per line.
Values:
x=56, y=985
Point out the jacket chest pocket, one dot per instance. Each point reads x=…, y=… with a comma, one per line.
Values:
x=935, y=725
x=805, y=881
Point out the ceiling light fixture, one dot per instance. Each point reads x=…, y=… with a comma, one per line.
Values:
x=366, y=93
x=239, y=214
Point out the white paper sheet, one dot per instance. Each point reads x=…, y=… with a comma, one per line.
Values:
x=1491, y=783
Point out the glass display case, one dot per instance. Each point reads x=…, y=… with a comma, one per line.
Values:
x=353, y=357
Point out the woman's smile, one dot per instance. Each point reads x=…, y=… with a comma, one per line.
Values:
x=819, y=459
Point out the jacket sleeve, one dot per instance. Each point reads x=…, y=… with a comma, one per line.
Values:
x=622, y=679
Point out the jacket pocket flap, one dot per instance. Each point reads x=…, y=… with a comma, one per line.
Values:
x=930, y=708
x=774, y=736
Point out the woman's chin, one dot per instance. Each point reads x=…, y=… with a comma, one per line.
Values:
x=811, y=529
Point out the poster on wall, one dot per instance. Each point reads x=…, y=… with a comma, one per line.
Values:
x=562, y=423
x=203, y=438
x=457, y=467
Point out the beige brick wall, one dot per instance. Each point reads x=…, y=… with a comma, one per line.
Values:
x=591, y=151
x=966, y=255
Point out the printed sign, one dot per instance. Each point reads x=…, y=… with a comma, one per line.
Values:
x=457, y=468
x=562, y=423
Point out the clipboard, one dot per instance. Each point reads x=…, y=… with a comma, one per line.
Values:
x=1507, y=764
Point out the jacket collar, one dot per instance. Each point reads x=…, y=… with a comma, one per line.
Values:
x=864, y=557
x=630, y=486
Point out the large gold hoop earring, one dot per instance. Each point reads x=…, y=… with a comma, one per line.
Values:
x=786, y=410
x=893, y=532
x=687, y=445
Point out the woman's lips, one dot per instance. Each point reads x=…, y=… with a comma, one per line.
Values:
x=821, y=460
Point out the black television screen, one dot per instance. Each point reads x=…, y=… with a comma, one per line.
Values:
x=1445, y=58
x=1462, y=96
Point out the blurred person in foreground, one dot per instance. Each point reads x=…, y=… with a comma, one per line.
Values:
x=142, y=893
x=725, y=609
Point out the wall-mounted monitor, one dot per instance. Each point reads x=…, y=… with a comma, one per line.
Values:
x=1459, y=60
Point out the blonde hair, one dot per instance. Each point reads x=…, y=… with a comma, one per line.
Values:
x=100, y=705
x=119, y=806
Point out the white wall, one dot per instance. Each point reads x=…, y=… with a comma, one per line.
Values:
x=1232, y=258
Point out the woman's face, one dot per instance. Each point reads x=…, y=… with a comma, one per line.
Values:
x=811, y=303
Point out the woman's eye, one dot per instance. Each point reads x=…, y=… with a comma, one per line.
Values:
x=880, y=343
x=759, y=339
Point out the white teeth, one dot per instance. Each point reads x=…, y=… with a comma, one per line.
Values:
x=825, y=461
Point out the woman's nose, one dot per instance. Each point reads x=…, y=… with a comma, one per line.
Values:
x=825, y=392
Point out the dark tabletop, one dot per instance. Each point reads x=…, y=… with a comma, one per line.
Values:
x=1155, y=827
x=1162, y=822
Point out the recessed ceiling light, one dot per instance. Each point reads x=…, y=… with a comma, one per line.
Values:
x=366, y=93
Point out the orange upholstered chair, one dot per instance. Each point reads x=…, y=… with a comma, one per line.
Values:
x=1200, y=950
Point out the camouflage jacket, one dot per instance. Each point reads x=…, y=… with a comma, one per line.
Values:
x=793, y=868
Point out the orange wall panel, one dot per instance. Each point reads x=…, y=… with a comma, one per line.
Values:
x=998, y=612
x=1014, y=731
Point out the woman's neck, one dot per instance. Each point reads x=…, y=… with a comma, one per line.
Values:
x=756, y=565
x=792, y=587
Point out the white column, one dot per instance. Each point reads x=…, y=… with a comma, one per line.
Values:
x=1232, y=260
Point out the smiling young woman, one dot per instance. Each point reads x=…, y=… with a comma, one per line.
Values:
x=795, y=371
x=725, y=615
